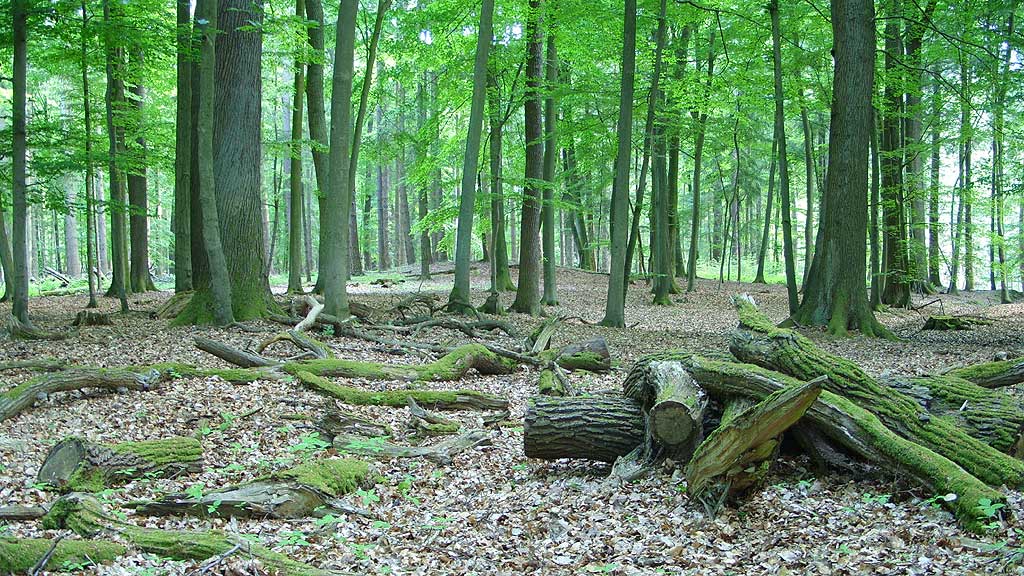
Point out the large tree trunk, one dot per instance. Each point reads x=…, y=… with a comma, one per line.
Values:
x=835, y=294
x=896, y=291
x=295, y=188
x=501, y=279
x=700, y=120
x=316, y=117
x=92, y=268
x=113, y=99
x=673, y=405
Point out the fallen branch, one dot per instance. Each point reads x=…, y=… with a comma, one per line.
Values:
x=441, y=453
x=436, y=399
x=21, y=397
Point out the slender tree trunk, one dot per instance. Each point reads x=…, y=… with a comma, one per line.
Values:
x=763, y=250
x=527, y=300
x=71, y=258
x=550, y=296
x=307, y=232
x=934, y=223
x=913, y=134
x=114, y=97
x=338, y=194
x=316, y=116
x=875, y=295
x=383, y=191
x=458, y=300
x=220, y=288
x=502, y=279
x=700, y=121
x=896, y=291
x=296, y=200
x=998, y=154
x=780, y=129
x=809, y=178
x=661, y=244
x=90, y=193
x=967, y=194
x=422, y=198
x=138, y=193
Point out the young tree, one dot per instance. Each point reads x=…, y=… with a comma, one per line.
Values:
x=114, y=99
x=182, y=152
x=295, y=226
x=90, y=192
x=458, y=300
x=140, y=279
x=337, y=204
x=835, y=293
x=896, y=291
x=550, y=296
x=615, y=304
x=527, y=300
x=700, y=118
x=780, y=135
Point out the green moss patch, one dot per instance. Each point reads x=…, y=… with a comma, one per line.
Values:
x=163, y=451
x=20, y=555
x=333, y=476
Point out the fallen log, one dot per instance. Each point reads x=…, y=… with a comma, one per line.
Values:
x=953, y=323
x=32, y=555
x=992, y=374
x=736, y=455
x=598, y=428
x=231, y=354
x=435, y=399
x=673, y=403
x=425, y=423
x=40, y=364
x=855, y=429
x=452, y=366
x=21, y=397
x=92, y=318
x=305, y=490
x=548, y=384
x=17, y=513
x=85, y=516
x=441, y=453
x=335, y=422
x=78, y=465
x=592, y=356
x=759, y=342
x=309, y=345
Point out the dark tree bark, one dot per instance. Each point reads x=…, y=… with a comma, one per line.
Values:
x=550, y=295
x=763, y=249
x=90, y=192
x=896, y=291
x=661, y=238
x=138, y=192
x=934, y=224
x=296, y=200
x=316, y=117
x=835, y=294
x=502, y=279
x=700, y=118
x=183, y=152
x=809, y=176
x=615, y=303
x=527, y=297
x=113, y=99
x=780, y=131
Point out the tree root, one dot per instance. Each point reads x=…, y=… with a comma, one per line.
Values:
x=32, y=555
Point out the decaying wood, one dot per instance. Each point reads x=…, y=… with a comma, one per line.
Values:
x=231, y=354
x=673, y=403
x=435, y=399
x=540, y=339
x=592, y=356
x=992, y=374
x=760, y=342
x=17, y=330
x=598, y=428
x=300, y=492
x=425, y=423
x=440, y=453
x=41, y=364
x=309, y=345
x=20, y=513
x=746, y=439
x=954, y=322
x=84, y=515
x=336, y=421
x=78, y=465
x=549, y=384
x=21, y=397
x=173, y=306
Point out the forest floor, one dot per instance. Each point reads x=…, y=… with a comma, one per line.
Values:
x=493, y=511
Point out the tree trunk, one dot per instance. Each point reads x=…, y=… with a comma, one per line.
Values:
x=934, y=224
x=896, y=291
x=700, y=120
x=138, y=193
x=661, y=240
x=527, y=298
x=426, y=252
x=550, y=295
x=501, y=278
x=73, y=263
x=113, y=99
x=875, y=296
x=458, y=300
x=296, y=200
x=809, y=176
x=183, y=152
x=615, y=303
x=78, y=465
x=673, y=406
x=316, y=117
x=780, y=130
x=835, y=294
x=763, y=250
x=92, y=268
x=913, y=134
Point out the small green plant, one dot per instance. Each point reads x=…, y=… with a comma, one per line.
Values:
x=521, y=467
x=601, y=568
x=844, y=549
x=869, y=498
x=195, y=491
x=4, y=530
x=42, y=486
x=73, y=566
x=368, y=496
x=438, y=523
x=233, y=467
x=295, y=538
x=327, y=330
x=990, y=510
x=375, y=444
x=212, y=508
x=360, y=550
x=381, y=525
x=804, y=484
x=205, y=431
x=227, y=419
x=309, y=444
x=937, y=500
x=327, y=520
x=405, y=489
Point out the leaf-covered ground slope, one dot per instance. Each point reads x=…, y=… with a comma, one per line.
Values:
x=492, y=511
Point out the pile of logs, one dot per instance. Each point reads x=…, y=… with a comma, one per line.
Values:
x=952, y=433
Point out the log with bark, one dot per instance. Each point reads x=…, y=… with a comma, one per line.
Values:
x=308, y=489
x=992, y=374
x=759, y=342
x=79, y=465
x=673, y=405
x=592, y=356
x=85, y=516
x=435, y=399
x=954, y=323
x=423, y=422
x=336, y=421
x=600, y=428
x=23, y=396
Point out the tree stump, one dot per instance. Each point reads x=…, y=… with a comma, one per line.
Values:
x=673, y=402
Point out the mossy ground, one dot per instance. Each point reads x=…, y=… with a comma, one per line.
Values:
x=163, y=451
x=21, y=555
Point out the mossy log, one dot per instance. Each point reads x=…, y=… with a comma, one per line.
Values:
x=85, y=516
x=452, y=366
x=434, y=399
x=425, y=423
x=598, y=428
x=738, y=452
x=853, y=428
x=309, y=345
x=25, y=555
x=992, y=374
x=953, y=323
x=992, y=416
x=78, y=465
x=760, y=342
x=170, y=309
x=548, y=384
x=592, y=356
x=440, y=453
x=231, y=354
x=335, y=422
x=21, y=397
x=673, y=403
x=40, y=364
x=305, y=490
x=19, y=513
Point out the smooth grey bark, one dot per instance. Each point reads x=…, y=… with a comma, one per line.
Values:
x=422, y=197
x=458, y=299
x=296, y=200
x=762, y=252
x=700, y=123
x=182, y=151
x=138, y=191
x=316, y=117
x=19, y=13
x=934, y=223
x=338, y=202
x=896, y=289
x=615, y=304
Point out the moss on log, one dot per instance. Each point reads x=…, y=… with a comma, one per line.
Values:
x=78, y=465
x=22, y=396
x=746, y=439
x=857, y=430
x=435, y=399
x=22, y=555
x=299, y=492
x=452, y=366
x=548, y=384
x=786, y=351
x=953, y=323
x=441, y=453
x=592, y=356
x=992, y=374
x=598, y=428
x=85, y=516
